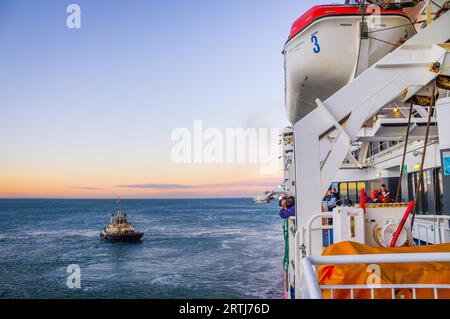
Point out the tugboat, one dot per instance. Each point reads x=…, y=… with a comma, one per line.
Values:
x=120, y=229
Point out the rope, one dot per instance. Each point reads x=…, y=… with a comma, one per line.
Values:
x=399, y=26
x=286, y=251
x=362, y=7
x=395, y=45
x=436, y=4
x=286, y=244
x=366, y=33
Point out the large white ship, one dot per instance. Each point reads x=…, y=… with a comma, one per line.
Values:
x=368, y=96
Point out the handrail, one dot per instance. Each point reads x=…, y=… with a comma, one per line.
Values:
x=387, y=286
x=439, y=221
x=311, y=220
x=379, y=258
x=312, y=285
x=304, y=236
x=313, y=290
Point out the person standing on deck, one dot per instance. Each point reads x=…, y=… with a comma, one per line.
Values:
x=331, y=198
x=336, y=194
x=384, y=195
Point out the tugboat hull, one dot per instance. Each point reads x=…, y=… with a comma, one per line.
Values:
x=133, y=237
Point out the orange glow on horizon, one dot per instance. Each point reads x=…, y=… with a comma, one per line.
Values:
x=176, y=180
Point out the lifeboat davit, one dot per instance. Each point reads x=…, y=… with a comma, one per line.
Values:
x=331, y=44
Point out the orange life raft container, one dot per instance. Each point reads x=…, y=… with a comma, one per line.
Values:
x=398, y=273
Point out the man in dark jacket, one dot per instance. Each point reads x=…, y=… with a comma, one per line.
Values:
x=288, y=207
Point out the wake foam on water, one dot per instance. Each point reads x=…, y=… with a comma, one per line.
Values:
x=205, y=232
x=63, y=233
x=169, y=280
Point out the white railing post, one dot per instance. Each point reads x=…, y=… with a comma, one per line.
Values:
x=310, y=280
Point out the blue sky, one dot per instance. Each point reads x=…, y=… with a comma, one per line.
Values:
x=99, y=103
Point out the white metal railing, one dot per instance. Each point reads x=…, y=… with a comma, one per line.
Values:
x=311, y=289
x=392, y=288
x=428, y=229
x=432, y=229
x=309, y=229
x=382, y=149
x=439, y=224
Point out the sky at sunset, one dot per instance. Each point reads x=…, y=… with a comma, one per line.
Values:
x=89, y=112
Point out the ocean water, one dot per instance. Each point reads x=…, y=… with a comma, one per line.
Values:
x=208, y=248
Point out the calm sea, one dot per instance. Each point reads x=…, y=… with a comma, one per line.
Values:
x=192, y=248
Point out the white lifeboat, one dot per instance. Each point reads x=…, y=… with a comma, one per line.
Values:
x=327, y=48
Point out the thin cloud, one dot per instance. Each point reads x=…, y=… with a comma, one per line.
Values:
x=86, y=188
x=156, y=186
x=257, y=183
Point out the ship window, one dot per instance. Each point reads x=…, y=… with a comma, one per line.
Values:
x=352, y=192
x=439, y=191
x=351, y=189
x=372, y=149
x=343, y=190
x=425, y=204
x=361, y=185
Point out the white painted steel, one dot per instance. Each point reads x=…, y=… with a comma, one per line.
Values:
x=443, y=115
x=311, y=289
x=308, y=229
x=385, y=81
x=311, y=75
x=349, y=224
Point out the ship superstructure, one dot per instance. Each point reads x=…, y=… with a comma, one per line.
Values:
x=367, y=91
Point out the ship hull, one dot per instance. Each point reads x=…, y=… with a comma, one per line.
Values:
x=323, y=57
x=134, y=237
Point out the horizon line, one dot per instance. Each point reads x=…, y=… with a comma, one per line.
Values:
x=114, y=198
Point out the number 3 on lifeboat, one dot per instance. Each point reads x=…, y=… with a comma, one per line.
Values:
x=315, y=42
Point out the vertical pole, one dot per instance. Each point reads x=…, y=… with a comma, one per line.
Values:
x=425, y=144
x=402, y=223
x=362, y=197
x=399, y=186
